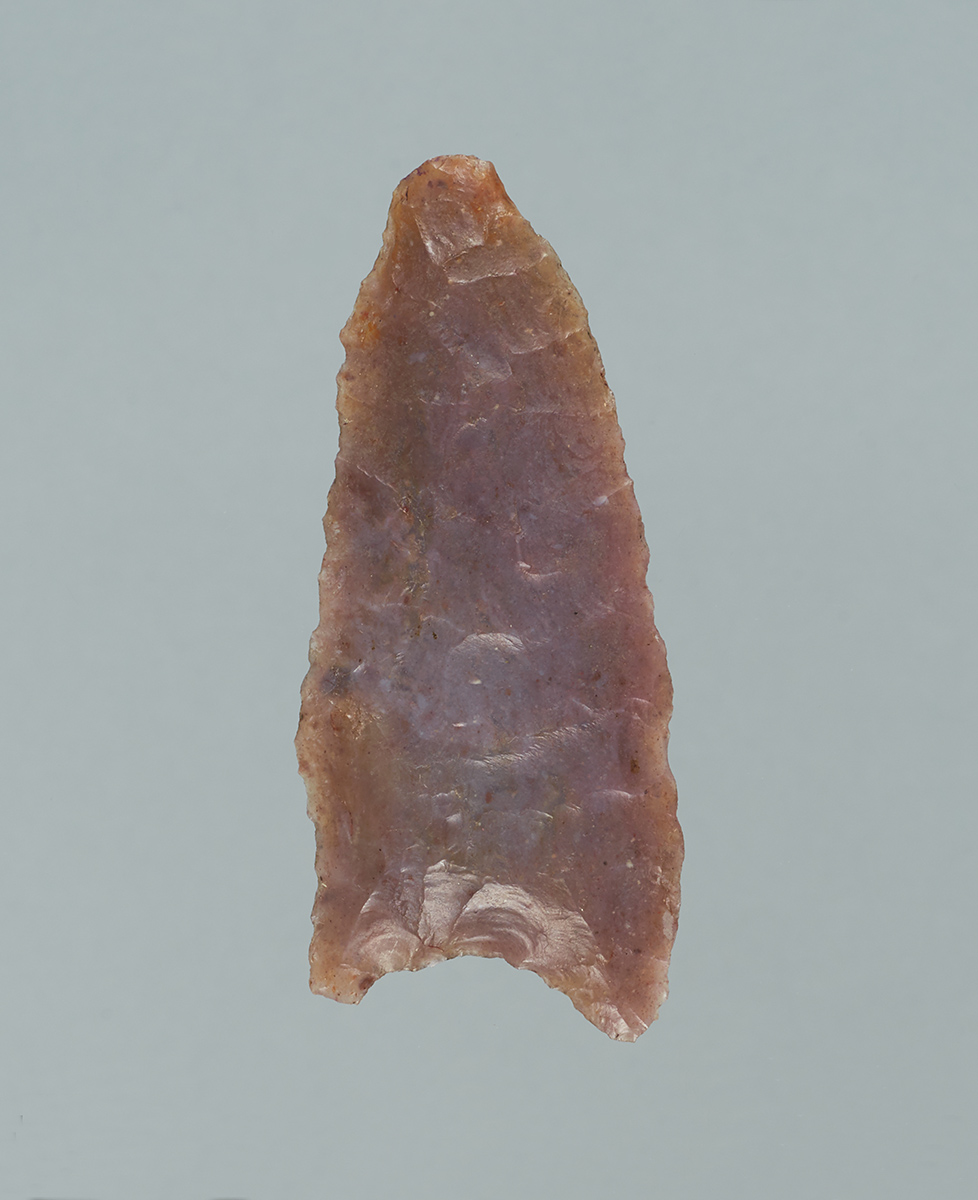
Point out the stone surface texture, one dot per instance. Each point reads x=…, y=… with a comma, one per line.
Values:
x=484, y=724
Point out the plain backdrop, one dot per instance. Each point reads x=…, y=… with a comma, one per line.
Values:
x=769, y=207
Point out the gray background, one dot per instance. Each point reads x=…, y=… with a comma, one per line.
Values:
x=770, y=211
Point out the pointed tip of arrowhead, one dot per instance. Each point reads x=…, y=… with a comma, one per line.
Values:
x=455, y=201
x=462, y=168
x=466, y=179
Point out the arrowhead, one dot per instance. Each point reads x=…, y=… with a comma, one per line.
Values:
x=484, y=723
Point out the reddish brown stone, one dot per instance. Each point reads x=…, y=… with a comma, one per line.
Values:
x=484, y=724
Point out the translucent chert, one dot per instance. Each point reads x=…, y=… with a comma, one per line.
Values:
x=484, y=724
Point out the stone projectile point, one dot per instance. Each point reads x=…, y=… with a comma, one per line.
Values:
x=484, y=723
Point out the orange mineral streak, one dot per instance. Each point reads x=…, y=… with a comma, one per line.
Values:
x=484, y=723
